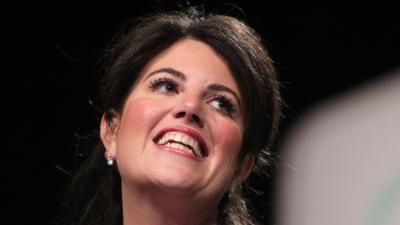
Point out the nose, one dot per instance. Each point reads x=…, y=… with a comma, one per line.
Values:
x=189, y=111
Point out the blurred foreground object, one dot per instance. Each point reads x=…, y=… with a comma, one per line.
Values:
x=341, y=164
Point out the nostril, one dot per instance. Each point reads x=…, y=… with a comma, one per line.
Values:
x=190, y=117
x=196, y=118
x=181, y=114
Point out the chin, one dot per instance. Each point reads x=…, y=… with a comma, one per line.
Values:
x=175, y=176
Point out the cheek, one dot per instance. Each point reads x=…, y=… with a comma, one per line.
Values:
x=138, y=112
x=228, y=138
x=139, y=117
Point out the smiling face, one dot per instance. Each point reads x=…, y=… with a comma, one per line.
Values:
x=181, y=127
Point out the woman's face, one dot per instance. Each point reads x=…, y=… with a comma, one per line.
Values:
x=181, y=127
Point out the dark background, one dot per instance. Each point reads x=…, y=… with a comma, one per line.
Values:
x=50, y=75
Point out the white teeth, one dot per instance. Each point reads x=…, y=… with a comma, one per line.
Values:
x=178, y=138
x=180, y=141
x=177, y=145
x=197, y=152
x=185, y=139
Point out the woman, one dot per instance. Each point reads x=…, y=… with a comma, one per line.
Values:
x=191, y=105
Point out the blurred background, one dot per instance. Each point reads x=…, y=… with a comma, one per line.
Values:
x=339, y=68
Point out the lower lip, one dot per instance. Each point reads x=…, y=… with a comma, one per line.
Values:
x=178, y=152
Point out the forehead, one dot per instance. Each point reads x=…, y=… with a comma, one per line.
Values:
x=196, y=60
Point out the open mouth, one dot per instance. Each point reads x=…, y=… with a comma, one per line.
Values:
x=182, y=141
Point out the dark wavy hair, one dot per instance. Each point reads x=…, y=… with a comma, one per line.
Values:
x=95, y=192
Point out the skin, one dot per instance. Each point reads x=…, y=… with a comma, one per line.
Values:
x=167, y=185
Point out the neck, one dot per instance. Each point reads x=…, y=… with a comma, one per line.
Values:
x=153, y=206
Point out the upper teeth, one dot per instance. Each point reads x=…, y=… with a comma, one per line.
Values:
x=180, y=141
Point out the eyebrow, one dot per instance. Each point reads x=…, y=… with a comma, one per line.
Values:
x=174, y=72
x=212, y=87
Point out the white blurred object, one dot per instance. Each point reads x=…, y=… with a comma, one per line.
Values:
x=343, y=161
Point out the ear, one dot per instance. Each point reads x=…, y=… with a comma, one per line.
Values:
x=244, y=169
x=108, y=133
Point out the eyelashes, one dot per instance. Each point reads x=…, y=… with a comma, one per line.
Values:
x=169, y=86
x=164, y=85
x=223, y=104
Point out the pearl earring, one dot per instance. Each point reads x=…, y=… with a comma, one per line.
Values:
x=110, y=161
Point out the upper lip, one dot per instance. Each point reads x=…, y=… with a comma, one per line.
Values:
x=188, y=131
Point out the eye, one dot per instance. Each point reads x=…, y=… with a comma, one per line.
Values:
x=164, y=85
x=223, y=104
